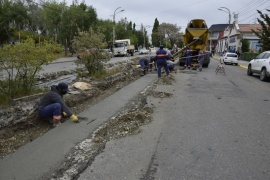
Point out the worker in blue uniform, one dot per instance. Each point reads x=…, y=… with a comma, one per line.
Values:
x=188, y=57
x=161, y=56
x=144, y=63
x=200, y=59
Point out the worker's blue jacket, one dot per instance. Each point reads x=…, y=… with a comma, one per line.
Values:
x=189, y=52
x=161, y=54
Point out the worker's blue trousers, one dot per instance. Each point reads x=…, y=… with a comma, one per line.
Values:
x=50, y=111
x=144, y=64
x=160, y=64
x=188, y=61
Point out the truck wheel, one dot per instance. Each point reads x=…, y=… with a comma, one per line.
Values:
x=205, y=65
x=132, y=54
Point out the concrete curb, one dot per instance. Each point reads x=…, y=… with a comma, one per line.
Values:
x=242, y=66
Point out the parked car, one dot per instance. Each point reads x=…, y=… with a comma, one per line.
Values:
x=229, y=58
x=260, y=65
x=143, y=51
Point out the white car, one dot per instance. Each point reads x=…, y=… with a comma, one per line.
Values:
x=260, y=65
x=143, y=51
x=229, y=58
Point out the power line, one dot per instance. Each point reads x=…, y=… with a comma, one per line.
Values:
x=253, y=7
x=252, y=15
x=245, y=5
x=248, y=6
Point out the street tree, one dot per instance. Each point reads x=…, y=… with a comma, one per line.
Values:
x=245, y=45
x=169, y=33
x=51, y=17
x=20, y=63
x=88, y=45
x=264, y=32
x=155, y=37
x=105, y=27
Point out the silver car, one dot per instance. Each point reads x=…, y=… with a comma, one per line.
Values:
x=143, y=51
x=260, y=65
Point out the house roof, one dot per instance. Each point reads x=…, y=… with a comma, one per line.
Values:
x=247, y=27
x=218, y=27
x=244, y=28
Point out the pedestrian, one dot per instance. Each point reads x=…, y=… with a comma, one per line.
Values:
x=200, y=59
x=144, y=63
x=161, y=56
x=188, y=58
x=52, y=105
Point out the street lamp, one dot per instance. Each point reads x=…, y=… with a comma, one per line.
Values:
x=114, y=24
x=228, y=11
x=145, y=34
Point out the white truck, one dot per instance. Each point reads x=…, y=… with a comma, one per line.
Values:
x=123, y=47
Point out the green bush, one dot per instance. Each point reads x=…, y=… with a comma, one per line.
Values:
x=20, y=63
x=247, y=56
x=92, y=62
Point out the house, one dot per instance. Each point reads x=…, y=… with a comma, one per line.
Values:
x=229, y=39
x=216, y=31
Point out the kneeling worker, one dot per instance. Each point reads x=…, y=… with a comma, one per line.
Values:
x=144, y=63
x=52, y=105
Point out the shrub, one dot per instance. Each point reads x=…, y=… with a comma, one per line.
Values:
x=247, y=56
x=19, y=64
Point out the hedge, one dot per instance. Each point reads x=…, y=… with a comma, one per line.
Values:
x=247, y=56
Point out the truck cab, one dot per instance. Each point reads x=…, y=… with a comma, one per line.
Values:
x=123, y=48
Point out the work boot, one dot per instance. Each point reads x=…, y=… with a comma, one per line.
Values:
x=56, y=123
x=144, y=72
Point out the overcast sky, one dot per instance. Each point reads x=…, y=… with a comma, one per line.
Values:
x=178, y=12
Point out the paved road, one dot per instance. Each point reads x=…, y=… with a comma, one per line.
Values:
x=214, y=127
x=68, y=63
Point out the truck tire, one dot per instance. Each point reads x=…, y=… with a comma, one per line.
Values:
x=205, y=65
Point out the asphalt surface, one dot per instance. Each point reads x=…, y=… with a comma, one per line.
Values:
x=39, y=159
x=214, y=126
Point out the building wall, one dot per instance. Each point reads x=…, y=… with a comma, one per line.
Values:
x=235, y=41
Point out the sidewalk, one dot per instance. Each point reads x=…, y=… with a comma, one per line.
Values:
x=40, y=158
x=241, y=63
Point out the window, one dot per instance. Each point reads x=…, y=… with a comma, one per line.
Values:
x=260, y=56
x=232, y=55
x=266, y=56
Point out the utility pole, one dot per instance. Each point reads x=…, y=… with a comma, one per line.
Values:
x=114, y=25
x=228, y=11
